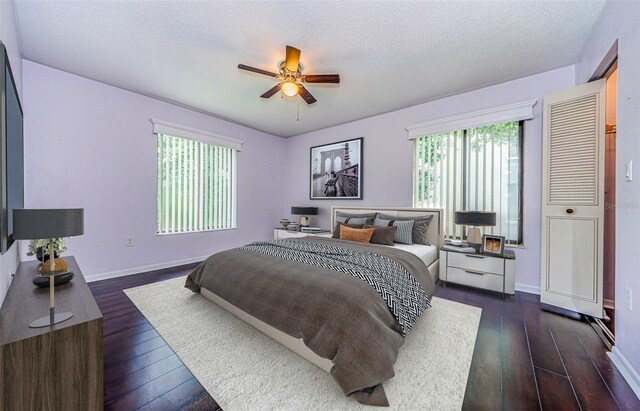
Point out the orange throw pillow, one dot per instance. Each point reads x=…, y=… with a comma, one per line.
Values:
x=361, y=235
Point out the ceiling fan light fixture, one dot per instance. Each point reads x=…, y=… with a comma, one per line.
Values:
x=289, y=75
x=289, y=88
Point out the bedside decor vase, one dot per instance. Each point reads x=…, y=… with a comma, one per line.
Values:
x=285, y=223
x=43, y=281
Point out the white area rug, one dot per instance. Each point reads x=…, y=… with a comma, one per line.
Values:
x=244, y=369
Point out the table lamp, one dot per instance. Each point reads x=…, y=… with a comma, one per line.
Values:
x=36, y=224
x=304, y=212
x=475, y=219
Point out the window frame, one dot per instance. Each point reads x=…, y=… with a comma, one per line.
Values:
x=232, y=181
x=463, y=169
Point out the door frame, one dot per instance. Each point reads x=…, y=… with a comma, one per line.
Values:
x=606, y=68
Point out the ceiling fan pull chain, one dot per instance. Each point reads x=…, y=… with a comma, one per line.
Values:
x=297, y=110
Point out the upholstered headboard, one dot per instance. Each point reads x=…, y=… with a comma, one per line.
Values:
x=435, y=231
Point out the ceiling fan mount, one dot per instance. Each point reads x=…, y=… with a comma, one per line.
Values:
x=290, y=74
x=285, y=72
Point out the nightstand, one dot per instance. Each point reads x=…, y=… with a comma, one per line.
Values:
x=279, y=234
x=496, y=273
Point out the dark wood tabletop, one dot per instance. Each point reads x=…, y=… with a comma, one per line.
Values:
x=25, y=302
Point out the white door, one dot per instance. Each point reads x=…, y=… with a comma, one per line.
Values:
x=573, y=198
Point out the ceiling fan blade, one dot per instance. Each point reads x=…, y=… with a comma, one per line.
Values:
x=257, y=70
x=321, y=78
x=293, y=58
x=304, y=93
x=273, y=90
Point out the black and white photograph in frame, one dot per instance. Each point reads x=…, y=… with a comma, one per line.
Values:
x=336, y=171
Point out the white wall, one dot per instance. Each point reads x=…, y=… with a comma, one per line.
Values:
x=9, y=36
x=90, y=145
x=621, y=20
x=387, y=165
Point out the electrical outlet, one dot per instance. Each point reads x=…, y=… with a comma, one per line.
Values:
x=629, y=298
x=128, y=242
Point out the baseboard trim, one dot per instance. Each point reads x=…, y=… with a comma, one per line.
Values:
x=143, y=269
x=625, y=368
x=528, y=288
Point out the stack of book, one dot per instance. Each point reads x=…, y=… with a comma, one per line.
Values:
x=461, y=248
x=312, y=230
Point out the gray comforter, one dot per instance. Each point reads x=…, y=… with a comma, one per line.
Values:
x=338, y=316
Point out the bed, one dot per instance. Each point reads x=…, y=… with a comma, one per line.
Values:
x=334, y=320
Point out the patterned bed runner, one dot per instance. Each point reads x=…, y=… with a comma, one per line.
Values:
x=404, y=295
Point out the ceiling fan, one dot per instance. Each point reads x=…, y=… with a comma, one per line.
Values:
x=290, y=73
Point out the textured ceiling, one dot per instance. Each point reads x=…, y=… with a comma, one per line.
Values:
x=389, y=54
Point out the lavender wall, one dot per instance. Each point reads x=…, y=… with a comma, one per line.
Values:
x=9, y=36
x=620, y=20
x=388, y=157
x=90, y=145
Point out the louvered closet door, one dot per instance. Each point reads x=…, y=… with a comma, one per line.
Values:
x=573, y=200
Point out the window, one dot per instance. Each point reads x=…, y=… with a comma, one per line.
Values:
x=473, y=169
x=196, y=186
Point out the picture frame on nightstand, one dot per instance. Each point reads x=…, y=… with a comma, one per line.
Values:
x=493, y=245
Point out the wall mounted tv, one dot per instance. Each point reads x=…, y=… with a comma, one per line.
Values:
x=11, y=151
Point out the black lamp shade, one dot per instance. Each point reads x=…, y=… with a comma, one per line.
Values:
x=304, y=210
x=36, y=224
x=475, y=218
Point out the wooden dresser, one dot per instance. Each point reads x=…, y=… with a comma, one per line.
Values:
x=51, y=368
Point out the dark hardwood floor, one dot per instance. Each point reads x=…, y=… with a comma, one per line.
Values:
x=525, y=358
x=140, y=370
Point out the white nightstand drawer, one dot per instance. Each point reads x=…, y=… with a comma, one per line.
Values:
x=475, y=262
x=475, y=278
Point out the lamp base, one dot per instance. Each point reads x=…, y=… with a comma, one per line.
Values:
x=46, y=321
x=305, y=221
x=474, y=238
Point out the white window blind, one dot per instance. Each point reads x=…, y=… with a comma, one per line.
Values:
x=196, y=185
x=474, y=169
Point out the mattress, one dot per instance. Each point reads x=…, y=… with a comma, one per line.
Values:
x=427, y=253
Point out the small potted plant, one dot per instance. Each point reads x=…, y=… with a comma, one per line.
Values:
x=40, y=248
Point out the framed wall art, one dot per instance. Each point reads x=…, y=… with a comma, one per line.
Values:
x=336, y=171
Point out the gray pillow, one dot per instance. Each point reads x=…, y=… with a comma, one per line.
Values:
x=383, y=235
x=404, y=229
x=350, y=218
x=420, y=225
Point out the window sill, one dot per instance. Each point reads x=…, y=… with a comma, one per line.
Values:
x=196, y=232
